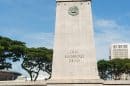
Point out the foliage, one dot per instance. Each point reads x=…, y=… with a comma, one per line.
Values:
x=36, y=60
x=114, y=69
x=104, y=68
x=10, y=49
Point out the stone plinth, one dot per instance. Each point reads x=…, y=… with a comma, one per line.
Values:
x=23, y=83
x=76, y=82
x=67, y=83
x=116, y=83
x=73, y=0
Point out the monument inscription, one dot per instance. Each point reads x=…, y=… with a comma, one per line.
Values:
x=74, y=56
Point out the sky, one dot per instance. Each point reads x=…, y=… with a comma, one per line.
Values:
x=33, y=22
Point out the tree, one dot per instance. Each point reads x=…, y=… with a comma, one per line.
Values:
x=126, y=68
x=36, y=60
x=116, y=68
x=10, y=49
x=104, y=69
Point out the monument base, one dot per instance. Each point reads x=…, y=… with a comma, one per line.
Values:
x=75, y=82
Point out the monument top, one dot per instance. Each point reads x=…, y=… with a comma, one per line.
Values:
x=73, y=0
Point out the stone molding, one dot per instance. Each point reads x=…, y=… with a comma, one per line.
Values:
x=23, y=83
x=72, y=0
x=78, y=81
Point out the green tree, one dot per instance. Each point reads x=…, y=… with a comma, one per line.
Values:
x=36, y=60
x=126, y=68
x=104, y=69
x=10, y=49
x=116, y=68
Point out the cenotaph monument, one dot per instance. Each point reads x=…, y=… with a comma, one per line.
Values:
x=74, y=58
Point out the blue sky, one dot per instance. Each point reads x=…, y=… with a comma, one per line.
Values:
x=33, y=22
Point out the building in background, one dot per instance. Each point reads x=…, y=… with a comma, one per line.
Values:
x=120, y=50
x=8, y=75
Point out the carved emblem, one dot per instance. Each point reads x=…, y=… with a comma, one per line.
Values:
x=73, y=11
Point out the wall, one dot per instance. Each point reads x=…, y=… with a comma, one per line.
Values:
x=43, y=83
x=22, y=83
x=117, y=83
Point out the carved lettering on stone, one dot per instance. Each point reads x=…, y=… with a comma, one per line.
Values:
x=73, y=56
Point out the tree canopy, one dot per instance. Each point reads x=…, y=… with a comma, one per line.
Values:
x=10, y=49
x=34, y=59
x=114, y=69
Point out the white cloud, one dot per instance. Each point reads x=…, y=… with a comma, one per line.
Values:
x=11, y=32
x=107, y=32
x=39, y=39
x=106, y=23
x=32, y=39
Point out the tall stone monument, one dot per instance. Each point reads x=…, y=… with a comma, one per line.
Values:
x=74, y=59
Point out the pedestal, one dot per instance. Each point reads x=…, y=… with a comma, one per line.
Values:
x=78, y=82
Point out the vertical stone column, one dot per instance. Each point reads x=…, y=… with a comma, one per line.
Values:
x=74, y=50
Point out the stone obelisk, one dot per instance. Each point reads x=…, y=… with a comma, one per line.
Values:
x=74, y=55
